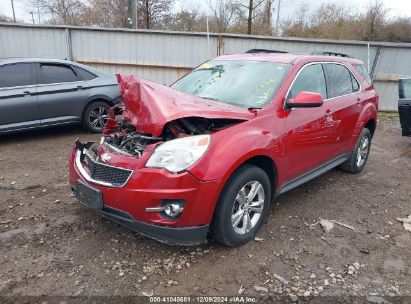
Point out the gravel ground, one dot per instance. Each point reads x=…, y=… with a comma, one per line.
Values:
x=51, y=245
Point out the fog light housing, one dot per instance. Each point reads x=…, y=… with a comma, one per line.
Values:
x=172, y=208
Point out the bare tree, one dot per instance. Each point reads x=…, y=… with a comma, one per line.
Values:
x=398, y=30
x=262, y=23
x=152, y=12
x=268, y=14
x=375, y=18
x=63, y=11
x=224, y=12
x=4, y=18
x=251, y=6
x=186, y=20
x=106, y=13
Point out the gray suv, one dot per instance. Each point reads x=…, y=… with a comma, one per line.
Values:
x=38, y=92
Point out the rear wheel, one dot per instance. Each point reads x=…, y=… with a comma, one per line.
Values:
x=95, y=116
x=356, y=163
x=242, y=207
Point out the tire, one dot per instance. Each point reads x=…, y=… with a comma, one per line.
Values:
x=95, y=116
x=354, y=164
x=223, y=229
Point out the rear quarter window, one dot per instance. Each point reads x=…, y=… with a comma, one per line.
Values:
x=364, y=72
x=83, y=74
x=56, y=73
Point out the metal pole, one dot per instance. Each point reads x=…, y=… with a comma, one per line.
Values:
x=14, y=13
x=368, y=57
x=69, y=45
x=38, y=11
x=208, y=39
x=133, y=14
x=277, y=22
x=136, y=12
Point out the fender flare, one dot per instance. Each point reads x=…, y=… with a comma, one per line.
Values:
x=368, y=113
x=98, y=97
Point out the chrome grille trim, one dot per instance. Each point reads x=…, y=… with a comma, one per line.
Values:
x=89, y=178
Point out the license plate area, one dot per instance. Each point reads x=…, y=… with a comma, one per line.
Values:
x=90, y=197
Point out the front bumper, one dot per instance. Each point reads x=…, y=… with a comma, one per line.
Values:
x=147, y=188
x=169, y=235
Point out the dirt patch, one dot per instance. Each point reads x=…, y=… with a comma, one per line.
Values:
x=51, y=245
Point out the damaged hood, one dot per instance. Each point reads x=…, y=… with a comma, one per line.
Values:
x=149, y=105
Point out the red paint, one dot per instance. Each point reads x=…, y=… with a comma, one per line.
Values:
x=297, y=140
x=306, y=99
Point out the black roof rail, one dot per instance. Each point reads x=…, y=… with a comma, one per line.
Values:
x=330, y=53
x=254, y=51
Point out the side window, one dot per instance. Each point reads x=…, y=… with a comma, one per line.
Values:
x=404, y=86
x=364, y=73
x=310, y=79
x=355, y=84
x=341, y=81
x=52, y=73
x=83, y=74
x=13, y=75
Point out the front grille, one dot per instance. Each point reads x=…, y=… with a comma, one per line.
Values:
x=105, y=173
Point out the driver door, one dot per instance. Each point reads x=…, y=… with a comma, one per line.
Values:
x=311, y=132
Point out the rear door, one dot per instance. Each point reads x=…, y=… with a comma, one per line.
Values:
x=310, y=131
x=344, y=102
x=404, y=105
x=18, y=99
x=62, y=93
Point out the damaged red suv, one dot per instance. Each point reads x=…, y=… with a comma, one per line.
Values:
x=206, y=156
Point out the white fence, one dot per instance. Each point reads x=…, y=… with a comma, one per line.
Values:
x=165, y=56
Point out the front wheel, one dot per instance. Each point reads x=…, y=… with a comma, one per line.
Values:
x=95, y=116
x=356, y=163
x=242, y=207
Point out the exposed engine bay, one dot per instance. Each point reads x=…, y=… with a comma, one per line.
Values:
x=124, y=138
x=153, y=113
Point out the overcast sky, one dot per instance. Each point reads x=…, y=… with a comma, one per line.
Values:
x=396, y=7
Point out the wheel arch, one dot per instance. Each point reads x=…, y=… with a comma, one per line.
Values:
x=102, y=98
x=264, y=162
x=267, y=164
x=371, y=125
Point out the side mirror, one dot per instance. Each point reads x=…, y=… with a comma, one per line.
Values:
x=305, y=100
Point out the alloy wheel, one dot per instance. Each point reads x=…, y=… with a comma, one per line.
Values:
x=362, y=152
x=248, y=207
x=98, y=117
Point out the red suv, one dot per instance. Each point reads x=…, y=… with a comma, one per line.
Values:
x=207, y=156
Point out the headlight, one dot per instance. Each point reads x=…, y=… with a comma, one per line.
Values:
x=179, y=154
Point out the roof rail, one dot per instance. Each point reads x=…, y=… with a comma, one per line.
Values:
x=330, y=53
x=254, y=51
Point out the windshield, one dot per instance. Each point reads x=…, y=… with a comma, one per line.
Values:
x=248, y=84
